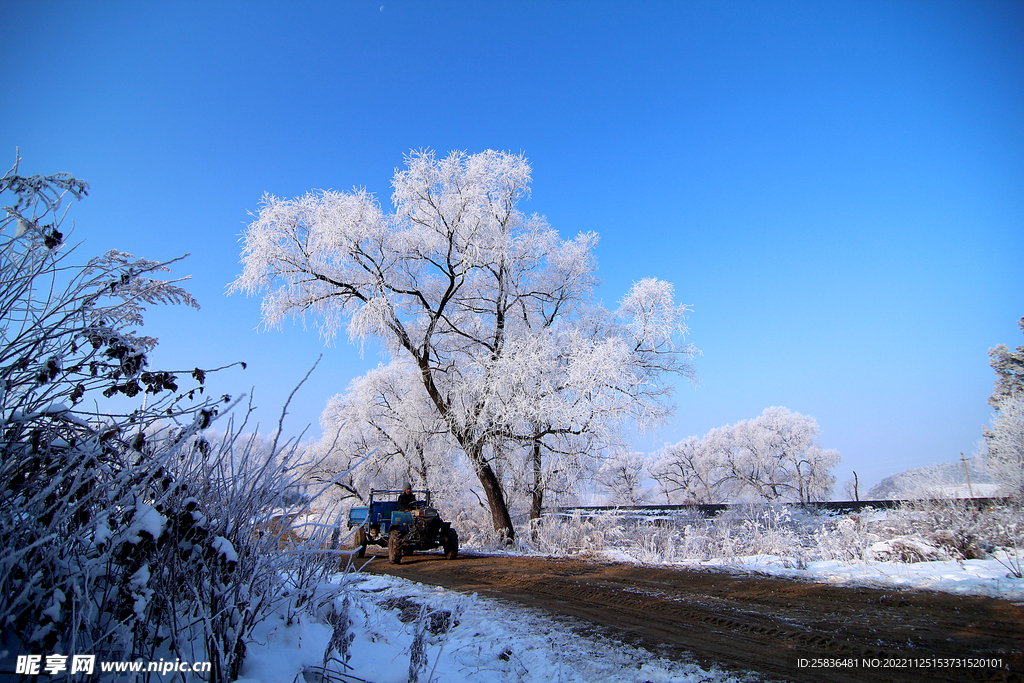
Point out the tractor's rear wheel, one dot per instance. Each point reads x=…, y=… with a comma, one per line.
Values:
x=360, y=542
x=395, y=547
x=451, y=545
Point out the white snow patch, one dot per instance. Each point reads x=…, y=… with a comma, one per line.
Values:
x=102, y=534
x=139, y=586
x=905, y=549
x=53, y=611
x=487, y=642
x=140, y=579
x=279, y=651
x=146, y=519
x=223, y=547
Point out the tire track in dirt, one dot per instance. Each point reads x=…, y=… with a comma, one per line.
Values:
x=749, y=623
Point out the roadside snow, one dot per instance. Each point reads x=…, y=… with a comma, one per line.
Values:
x=966, y=577
x=486, y=642
x=279, y=650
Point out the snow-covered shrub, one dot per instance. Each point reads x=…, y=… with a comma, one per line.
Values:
x=1009, y=532
x=917, y=532
x=846, y=538
x=959, y=527
x=768, y=530
x=740, y=532
x=577, y=534
x=243, y=561
x=657, y=544
x=126, y=533
x=906, y=549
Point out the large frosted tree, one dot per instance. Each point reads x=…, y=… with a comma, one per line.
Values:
x=1005, y=440
x=775, y=456
x=1009, y=367
x=484, y=300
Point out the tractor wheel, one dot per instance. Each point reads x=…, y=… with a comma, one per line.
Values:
x=451, y=545
x=395, y=547
x=360, y=542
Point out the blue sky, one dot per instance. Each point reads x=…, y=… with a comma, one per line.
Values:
x=836, y=188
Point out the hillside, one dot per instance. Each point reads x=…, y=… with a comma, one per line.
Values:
x=946, y=479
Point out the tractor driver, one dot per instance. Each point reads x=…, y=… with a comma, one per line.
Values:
x=406, y=500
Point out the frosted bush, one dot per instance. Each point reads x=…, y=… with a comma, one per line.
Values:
x=797, y=535
x=127, y=534
x=575, y=535
x=656, y=544
x=959, y=527
x=768, y=531
x=845, y=539
x=905, y=549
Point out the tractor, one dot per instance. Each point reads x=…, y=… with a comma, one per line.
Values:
x=383, y=524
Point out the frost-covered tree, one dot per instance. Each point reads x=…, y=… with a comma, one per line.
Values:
x=1009, y=368
x=814, y=473
x=691, y=472
x=782, y=457
x=852, y=487
x=1004, y=442
x=566, y=391
x=1005, y=445
x=462, y=284
x=622, y=476
x=382, y=433
x=775, y=456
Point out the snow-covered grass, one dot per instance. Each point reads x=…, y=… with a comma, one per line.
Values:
x=945, y=546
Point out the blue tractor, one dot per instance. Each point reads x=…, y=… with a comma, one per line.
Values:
x=383, y=523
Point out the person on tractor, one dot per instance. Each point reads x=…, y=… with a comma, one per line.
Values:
x=407, y=499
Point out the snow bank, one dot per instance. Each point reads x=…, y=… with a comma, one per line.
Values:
x=485, y=641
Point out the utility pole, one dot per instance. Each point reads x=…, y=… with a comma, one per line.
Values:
x=969, y=488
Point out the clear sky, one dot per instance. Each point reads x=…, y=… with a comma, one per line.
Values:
x=837, y=188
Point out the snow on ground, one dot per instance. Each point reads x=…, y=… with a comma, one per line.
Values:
x=967, y=577
x=491, y=641
x=403, y=631
x=487, y=642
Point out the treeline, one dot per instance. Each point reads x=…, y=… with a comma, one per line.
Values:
x=836, y=506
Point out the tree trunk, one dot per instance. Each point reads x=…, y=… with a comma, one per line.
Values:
x=495, y=496
x=474, y=451
x=538, y=485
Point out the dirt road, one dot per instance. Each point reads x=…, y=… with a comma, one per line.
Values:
x=784, y=630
